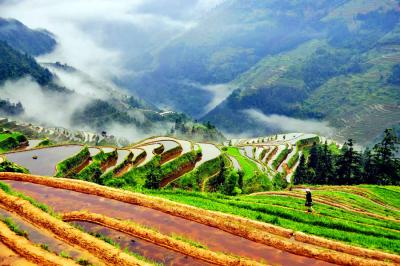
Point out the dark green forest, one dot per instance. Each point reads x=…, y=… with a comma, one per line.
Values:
x=379, y=165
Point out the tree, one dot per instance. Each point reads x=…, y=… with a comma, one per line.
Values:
x=279, y=181
x=348, y=165
x=384, y=158
x=300, y=175
x=369, y=172
x=313, y=159
x=325, y=166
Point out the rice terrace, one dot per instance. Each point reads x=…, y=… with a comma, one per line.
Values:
x=200, y=132
x=171, y=201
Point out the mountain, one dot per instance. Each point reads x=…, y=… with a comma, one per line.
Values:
x=59, y=95
x=14, y=65
x=326, y=60
x=22, y=38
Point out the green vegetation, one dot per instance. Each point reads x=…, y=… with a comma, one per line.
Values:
x=248, y=167
x=189, y=158
x=44, y=246
x=280, y=158
x=64, y=254
x=193, y=180
x=46, y=142
x=15, y=65
x=325, y=166
x=11, y=140
x=127, y=160
x=7, y=166
x=307, y=142
x=13, y=226
x=136, y=177
x=329, y=222
x=189, y=241
x=293, y=160
x=93, y=171
x=66, y=167
x=7, y=189
x=262, y=154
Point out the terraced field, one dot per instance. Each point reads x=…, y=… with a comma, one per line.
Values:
x=154, y=202
x=143, y=225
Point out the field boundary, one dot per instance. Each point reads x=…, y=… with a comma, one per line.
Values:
x=157, y=238
x=263, y=233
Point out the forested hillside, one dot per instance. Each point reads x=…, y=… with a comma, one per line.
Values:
x=328, y=60
x=22, y=38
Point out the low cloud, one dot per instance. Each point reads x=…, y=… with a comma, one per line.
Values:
x=52, y=109
x=219, y=93
x=132, y=133
x=100, y=36
x=289, y=124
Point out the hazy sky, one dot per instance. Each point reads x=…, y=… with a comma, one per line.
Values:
x=98, y=35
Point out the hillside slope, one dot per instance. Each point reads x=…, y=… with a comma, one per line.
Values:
x=346, y=76
x=22, y=38
x=327, y=60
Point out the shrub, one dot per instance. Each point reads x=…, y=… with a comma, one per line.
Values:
x=279, y=182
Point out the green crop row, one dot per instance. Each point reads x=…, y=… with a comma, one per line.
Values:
x=67, y=167
x=176, y=165
x=351, y=231
x=307, y=142
x=127, y=160
x=137, y=176
x=249, y=167
x=10, y=141
x=293, y=160
x=280, y=158
x=193, y=179
x=262, y=154
x=7, y=166
x=93, y=171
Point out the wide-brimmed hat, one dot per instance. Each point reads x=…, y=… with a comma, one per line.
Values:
x=308, y=190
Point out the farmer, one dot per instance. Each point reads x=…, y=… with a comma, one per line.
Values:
x=309, y=201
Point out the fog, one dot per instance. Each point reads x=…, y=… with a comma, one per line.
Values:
x=100, y=36
x=289, y=124
x=219, y=93
x=52, y=109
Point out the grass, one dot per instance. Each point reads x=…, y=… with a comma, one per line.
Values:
x=279, y=159
x=14, y=227
x=329, y=222
x=189, y=241
x=7, y=189
x=116, y=245
x=10, y=141
x=248, y=167
x=193, y=179
x=65, y=167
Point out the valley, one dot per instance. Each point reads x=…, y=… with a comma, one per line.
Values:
x=204, y=132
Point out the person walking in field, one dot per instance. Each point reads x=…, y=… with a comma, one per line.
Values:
x=309, y=202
